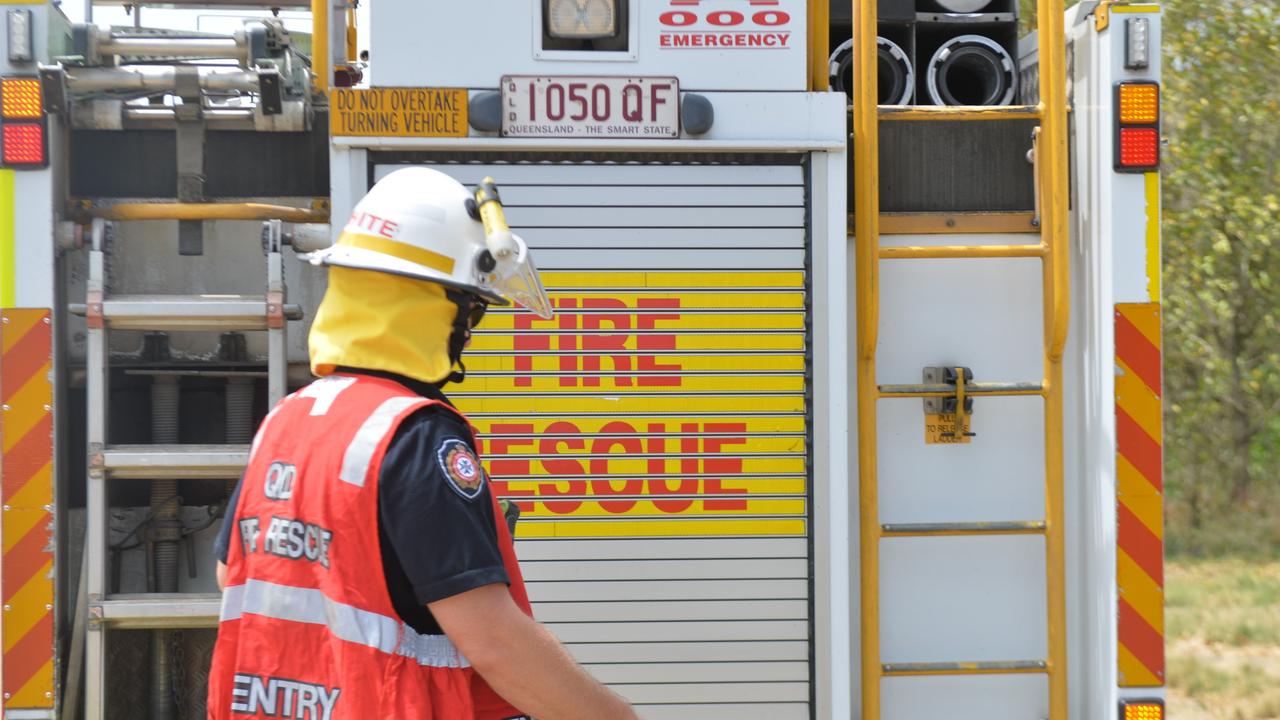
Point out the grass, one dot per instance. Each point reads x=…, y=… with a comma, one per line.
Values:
x=1223, y=631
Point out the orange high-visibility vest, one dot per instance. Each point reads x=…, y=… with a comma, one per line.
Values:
x=307, y=627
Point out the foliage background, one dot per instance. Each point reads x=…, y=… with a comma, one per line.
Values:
x=1221, y=195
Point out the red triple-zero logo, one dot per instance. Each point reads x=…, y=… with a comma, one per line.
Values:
x=724, y=18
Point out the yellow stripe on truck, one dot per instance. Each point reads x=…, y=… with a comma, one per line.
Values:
x=8, y=293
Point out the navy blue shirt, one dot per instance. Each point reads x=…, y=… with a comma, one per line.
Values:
x=436, y=542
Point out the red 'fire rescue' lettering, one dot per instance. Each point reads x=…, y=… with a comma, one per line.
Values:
x=696, y=473
x=585, y=350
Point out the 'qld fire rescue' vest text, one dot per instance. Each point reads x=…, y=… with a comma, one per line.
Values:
x=307, y=627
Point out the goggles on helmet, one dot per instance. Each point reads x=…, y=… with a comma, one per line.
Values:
x=513, y=275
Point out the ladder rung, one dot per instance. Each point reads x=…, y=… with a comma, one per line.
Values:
x=963, y=528
x=926, y=252
x=157, y=611
x=988, y=389
x=966, y=668
x=959, y=113
x=175, y=462
x=949, y=223
x=187, y=312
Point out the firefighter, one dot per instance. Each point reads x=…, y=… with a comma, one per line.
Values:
x=366, y=567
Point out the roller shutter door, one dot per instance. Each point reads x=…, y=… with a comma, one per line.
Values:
x=655, y=431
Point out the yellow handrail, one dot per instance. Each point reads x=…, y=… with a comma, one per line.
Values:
x=320, y=44
x=866, y=207
x=1053, y=165
x=351, y=36
x=866, y=180
x=819, y=45
x=1056, y=280
x=204, y=211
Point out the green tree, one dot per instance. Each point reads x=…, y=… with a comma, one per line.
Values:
x=1221, y=266
x=1027, y=13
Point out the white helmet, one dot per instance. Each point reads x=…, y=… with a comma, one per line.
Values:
x=421, y=223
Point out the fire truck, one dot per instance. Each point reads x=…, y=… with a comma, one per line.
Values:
x=850, y=407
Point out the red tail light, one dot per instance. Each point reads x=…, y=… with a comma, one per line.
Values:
x=23, y=144
x=1139, y=147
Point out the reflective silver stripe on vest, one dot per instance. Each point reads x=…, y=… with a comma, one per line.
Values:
x=232, y=603
x=355, y=463
x=309, y=605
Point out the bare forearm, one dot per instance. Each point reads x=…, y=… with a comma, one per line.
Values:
x=535, y=673
x=522, y=660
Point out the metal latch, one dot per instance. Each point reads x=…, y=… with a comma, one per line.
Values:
x=947, y=418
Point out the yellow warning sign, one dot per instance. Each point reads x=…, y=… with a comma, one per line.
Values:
x=398, y=112
x=940, y=429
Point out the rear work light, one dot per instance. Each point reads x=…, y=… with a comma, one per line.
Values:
x=22, y=124
x=1137, y=136
x=583, y=19
x=1141, y=710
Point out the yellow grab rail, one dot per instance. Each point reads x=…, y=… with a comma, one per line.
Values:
x=204, y=211
x=320, y=44
x=819, y=45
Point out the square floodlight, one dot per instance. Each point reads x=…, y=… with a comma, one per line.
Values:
x=581, y=19
x=21, y=36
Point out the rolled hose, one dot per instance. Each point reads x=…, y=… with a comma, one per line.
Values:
x=972, y=70
x=963, y=6
x=895, y=75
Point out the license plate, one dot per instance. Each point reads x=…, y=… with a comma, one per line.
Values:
x=590, y=107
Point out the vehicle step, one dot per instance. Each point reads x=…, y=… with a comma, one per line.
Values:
x=1013, y=389
x=187, y=312
x=961, y=113
x=962, y=528
x=175, y=462
x=951, y=223
x=962, y=252
x=1011, y=667
x=156, y=611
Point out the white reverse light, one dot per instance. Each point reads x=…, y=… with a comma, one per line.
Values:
x=1137, y=43
x=20, y=36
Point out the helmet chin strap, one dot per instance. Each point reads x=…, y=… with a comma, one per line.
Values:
x=458, y=336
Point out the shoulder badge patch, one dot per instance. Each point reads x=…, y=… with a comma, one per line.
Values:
x=461, y=468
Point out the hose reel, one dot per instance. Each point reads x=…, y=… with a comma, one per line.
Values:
x=963, y=6
x=895, y=74
x=971, y=70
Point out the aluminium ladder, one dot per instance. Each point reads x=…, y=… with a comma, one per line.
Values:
x=1050, y=152
x=158, y=462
